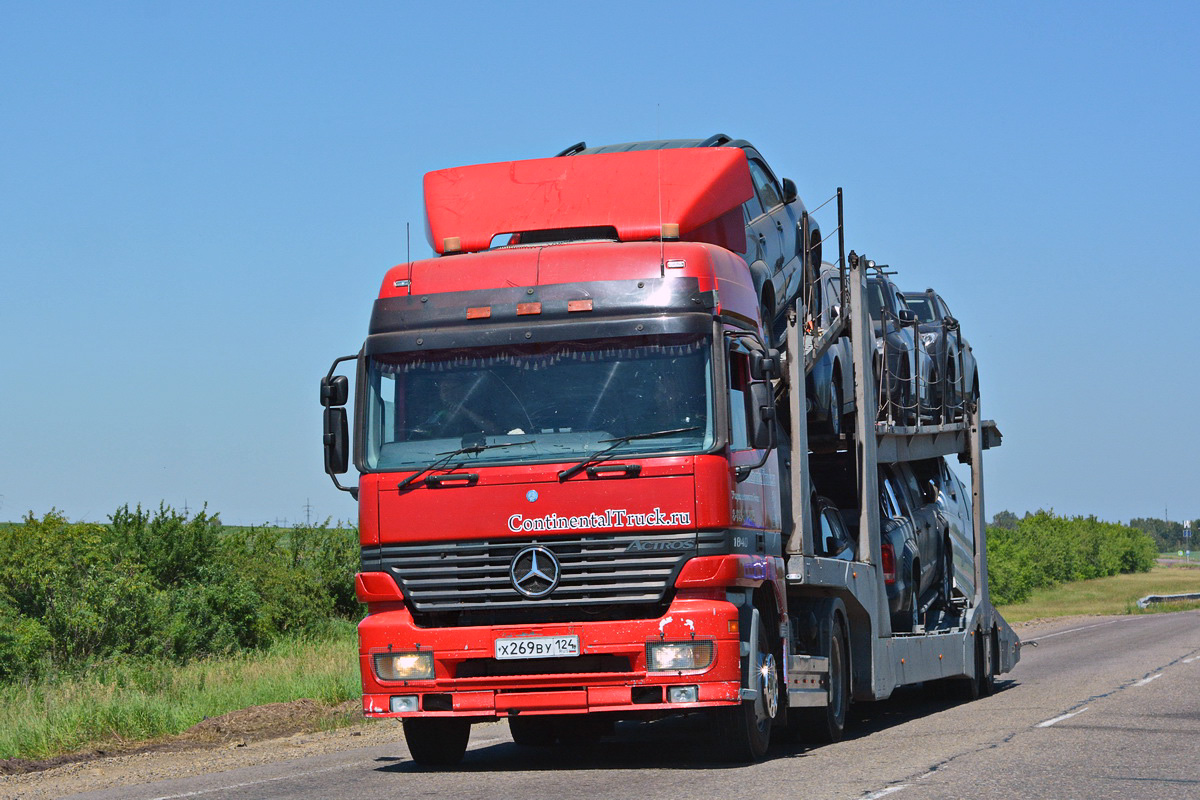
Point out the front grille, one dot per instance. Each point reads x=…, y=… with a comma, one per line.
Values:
x=491, y=667
x=599, y=572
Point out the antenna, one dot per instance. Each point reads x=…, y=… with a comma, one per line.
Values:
x=662, y=248
x=407, y=243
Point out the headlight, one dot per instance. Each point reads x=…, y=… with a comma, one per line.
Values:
x=404, y=666
x=928, y=339
x=675, y=656
x=879, y=345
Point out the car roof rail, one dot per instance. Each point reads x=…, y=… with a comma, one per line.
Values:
x=573, y=149
x=716, y=140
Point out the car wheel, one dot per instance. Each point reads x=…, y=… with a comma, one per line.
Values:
x=835, y=407
x=947, y=578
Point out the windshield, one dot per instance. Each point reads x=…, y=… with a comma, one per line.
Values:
x=548, y=402
x=875, y=300
x=923, y=308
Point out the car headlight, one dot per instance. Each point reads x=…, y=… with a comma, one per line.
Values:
x=675, y=656
x=879, y=345
x=928, y=339
x=404, y=666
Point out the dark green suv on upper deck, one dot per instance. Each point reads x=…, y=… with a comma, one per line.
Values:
x=774, y=221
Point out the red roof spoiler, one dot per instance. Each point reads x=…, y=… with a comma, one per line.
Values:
x=699, y=189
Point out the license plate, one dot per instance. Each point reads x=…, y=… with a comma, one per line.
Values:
x=538, y=647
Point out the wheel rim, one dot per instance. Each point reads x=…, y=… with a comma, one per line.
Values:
x=768, y=688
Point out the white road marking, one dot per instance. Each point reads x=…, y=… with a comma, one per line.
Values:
x=885, y=792
x=1084, y=628
x=1190, y=660
x=1144, y=681
x=291, y=776
x=1050, y=722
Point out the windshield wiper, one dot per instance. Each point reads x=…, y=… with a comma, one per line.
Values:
x=597, y=456
x=445, y=457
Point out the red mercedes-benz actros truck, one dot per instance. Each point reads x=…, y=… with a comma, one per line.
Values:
x=580, y=474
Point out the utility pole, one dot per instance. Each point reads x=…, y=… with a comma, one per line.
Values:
x=307, y=513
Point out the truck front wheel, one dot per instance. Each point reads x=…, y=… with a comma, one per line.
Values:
x=436, y=741
x=745, y=730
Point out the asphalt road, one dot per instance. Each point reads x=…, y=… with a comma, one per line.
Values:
x=1107, y=708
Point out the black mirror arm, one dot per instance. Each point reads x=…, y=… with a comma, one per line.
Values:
x=353, y=490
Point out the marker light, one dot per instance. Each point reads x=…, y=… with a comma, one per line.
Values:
x=451, y=244
x=670, y=230
x=404, y=666
x=675, y=656
x=528, y=308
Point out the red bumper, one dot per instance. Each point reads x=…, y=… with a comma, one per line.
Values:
x=628, y=687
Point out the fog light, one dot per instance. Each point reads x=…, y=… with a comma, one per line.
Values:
x=679, y=694
x=403, y=702
x=672, y=656
x=404, y=666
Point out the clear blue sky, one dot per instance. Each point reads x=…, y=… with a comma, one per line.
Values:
x=198, y=202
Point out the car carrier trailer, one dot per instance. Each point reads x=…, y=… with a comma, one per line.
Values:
x=584, y=563
x=968, y=642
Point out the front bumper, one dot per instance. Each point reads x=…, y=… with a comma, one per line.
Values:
x=612, y=661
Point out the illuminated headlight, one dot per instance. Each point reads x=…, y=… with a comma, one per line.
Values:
x=673, y=656
x=928, y=339
x=401, y=703
x=404, y=666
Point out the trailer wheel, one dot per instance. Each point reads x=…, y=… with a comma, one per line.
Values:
x=436, y=741
x=983, y=665
x=828, y=724
x=745, y=730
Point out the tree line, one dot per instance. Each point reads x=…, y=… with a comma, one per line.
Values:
x=163, y=585
x=1042, y=550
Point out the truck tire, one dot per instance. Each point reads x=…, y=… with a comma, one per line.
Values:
x=983, y=665
x=828, y=724
x=532, y=731
x=744, y=731
x=436, y=741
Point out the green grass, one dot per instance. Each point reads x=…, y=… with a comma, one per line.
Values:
x=1113, y=595
x=141, y=700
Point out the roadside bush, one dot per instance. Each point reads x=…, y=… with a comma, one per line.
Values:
x=163, y=585
x=1045, y=550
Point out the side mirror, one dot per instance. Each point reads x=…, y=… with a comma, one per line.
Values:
x=789, y=191
x=764, y=366
x=907, y=316
x=763, y=416
x=950, y=322
x=335, y=391
x=337, y=437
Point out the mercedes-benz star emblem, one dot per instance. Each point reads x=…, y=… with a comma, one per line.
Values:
x=534, y=572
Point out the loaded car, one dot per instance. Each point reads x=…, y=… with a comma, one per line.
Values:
x=955, y=519
x=912, y=535
x=774, y=214
x=955, y=374
x=908, y=397
x=830, y=384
